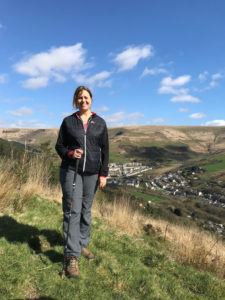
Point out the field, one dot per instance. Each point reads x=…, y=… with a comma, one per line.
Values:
x=126, y=267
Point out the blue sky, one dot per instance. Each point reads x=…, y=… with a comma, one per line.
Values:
x=147, y=62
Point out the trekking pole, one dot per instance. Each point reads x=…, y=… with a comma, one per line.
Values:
x=62, y=273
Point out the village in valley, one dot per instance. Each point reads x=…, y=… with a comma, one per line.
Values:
x=180, y=183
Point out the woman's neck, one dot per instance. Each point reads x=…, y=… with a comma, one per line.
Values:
x=86, y=113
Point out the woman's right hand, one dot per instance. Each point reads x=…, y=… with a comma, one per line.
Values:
x=78, y=153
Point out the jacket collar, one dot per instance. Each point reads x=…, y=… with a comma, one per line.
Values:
x=77, y=114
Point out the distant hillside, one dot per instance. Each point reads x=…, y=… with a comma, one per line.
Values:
x=7, y=148
x=198, y=138
x=30, y=136
x=143, y=143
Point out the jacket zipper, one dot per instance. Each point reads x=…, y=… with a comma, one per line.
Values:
x=85, y=138
x=85, y=141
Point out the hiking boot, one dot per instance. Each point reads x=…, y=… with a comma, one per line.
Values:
x=72, y=269
x=86, y=253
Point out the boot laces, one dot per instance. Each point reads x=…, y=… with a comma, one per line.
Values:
x=73, y=263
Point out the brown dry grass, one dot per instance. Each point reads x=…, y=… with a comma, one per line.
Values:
x=120, y=215
x=37, y=182
x=8, y=183
x=19, y=181
x=193, y=246
x=187, y=245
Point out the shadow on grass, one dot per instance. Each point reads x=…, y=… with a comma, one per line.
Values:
x=40, y=241
x=161, y=154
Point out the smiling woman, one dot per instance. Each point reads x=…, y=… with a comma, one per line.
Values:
x=81, y=96
x=84, y=148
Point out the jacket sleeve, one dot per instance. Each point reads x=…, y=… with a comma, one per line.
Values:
x=61, y=144
x=104, y=170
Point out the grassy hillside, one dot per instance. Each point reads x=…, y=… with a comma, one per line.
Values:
x=125, y=268
x=165, y=143
x=214, y=163
x=8, y=149
x=138, y=257
x=31, y=136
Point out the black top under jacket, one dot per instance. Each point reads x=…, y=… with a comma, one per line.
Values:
x=94, y=143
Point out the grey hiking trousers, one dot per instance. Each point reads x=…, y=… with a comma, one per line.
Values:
x=80, y=220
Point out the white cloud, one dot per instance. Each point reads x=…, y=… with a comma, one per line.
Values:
x=99, y=79
x=62, y=59
x=23, y=111
x=158, y=120
x=212, y=80
x=59, y=77
x=215, y=123
x=116, y=117
x=215, y=78
x=27, y=124
x=102, y=109
x=35, y=82
x=130, y=57
x=1, y=26
x=164, y=89
x=33, y=123
x=3, y=78
x=197, y=115
x=153, y=71
x=169, y=85
x=123, y=117
x=176, y=82
x=203, y=76
x=183, y=110
x=53, y=64
x=185, y=98
x=134, y=116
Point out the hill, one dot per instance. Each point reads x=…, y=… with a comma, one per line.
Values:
x=138, y=256
x=125, y=268
x=33, y=137
x=151, y=143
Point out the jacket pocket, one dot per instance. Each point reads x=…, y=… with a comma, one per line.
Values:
x=93, y=161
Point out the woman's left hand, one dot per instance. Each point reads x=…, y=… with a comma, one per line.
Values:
x=102, y=182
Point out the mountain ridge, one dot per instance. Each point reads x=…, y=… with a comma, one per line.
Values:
x=201, y=139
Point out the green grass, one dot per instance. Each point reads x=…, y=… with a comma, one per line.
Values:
x=125, y=268
x=165, y=151
x=215, y=165
x=118, y=158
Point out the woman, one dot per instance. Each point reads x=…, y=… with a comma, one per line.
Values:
x=83, y=136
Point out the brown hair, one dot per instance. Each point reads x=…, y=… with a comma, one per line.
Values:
x=78, y=90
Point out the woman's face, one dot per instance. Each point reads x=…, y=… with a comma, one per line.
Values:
x=83, y=101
